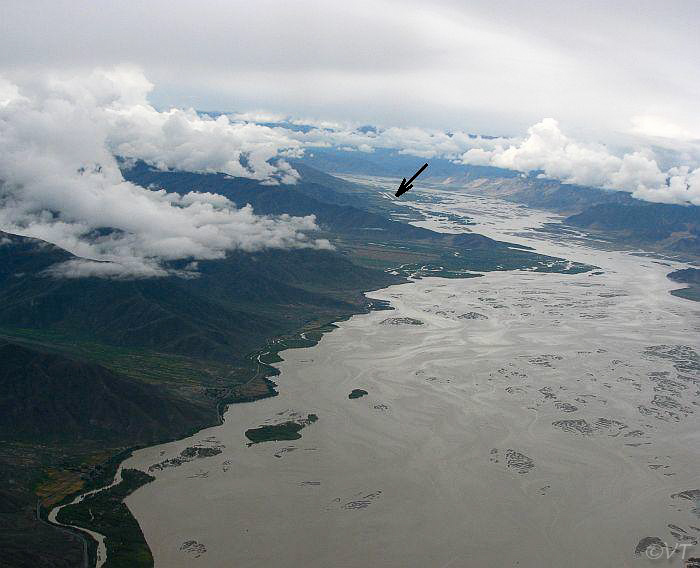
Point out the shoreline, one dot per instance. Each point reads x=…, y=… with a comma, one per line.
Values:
x=263, y=374
x=93, y=544
x=295, y=363
x=436, y=400
x=269, y=355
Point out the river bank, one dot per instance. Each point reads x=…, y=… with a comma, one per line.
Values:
x=129, y=542
x=538, y=419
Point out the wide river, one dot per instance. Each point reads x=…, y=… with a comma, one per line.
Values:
x=555, y=423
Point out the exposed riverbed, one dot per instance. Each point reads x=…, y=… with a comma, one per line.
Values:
x=527, y=420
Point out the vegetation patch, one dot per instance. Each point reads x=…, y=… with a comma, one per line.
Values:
x=357, y=393
x=106, y=513
x=691, y=277
x=279, y=432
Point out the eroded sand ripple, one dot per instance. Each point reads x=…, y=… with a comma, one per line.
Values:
x=560, y=429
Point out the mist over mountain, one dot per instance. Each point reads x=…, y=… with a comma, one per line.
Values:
x=61, y=181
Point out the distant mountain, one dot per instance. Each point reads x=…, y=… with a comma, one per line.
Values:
x=392, y=163
x=614, y=215
x=546, y=194
x=330, y=204
x=672, y=228
x=510, y=185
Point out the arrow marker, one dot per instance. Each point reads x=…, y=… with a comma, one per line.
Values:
x=406, y=185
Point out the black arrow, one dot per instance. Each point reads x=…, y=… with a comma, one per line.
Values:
x=406, y=185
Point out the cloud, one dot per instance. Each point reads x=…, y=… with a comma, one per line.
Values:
x=61, y=182
x=545, y=150
x=118, y=270
x=484, y=66
x=116, y=100
x=414, y=141
x=548, y=150
x=654, y=126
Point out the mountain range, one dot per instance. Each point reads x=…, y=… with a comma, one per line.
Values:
x=95, y=366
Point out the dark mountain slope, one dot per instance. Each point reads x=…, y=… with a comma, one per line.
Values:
x=231, y=309
x=45, y=396
x=159, y=314
x=24, y=255
x=327, y=188
x=657, y=220
x=301, y=276
x=547, y=194
x=672, y=228
x=59, y=419
x=294, y=200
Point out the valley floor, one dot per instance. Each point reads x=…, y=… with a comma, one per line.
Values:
x=512, y=419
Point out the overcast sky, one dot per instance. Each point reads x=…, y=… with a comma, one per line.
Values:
x=601, y=69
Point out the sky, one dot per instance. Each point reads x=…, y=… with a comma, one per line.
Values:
x=494, y=67
x=600, y=94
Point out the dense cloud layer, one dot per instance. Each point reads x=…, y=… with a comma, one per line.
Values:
x=61, y=181
x=557, y=156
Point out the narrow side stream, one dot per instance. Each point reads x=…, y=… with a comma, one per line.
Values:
x=99, y=538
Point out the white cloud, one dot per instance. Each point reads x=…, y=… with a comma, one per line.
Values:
x=61, y=182
x=118, y=270
x=414, y=141
x=544, y=149
x=655, y=126
x=8, y=92
x=547, y=149
x=683, y=186
x=116, y=101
